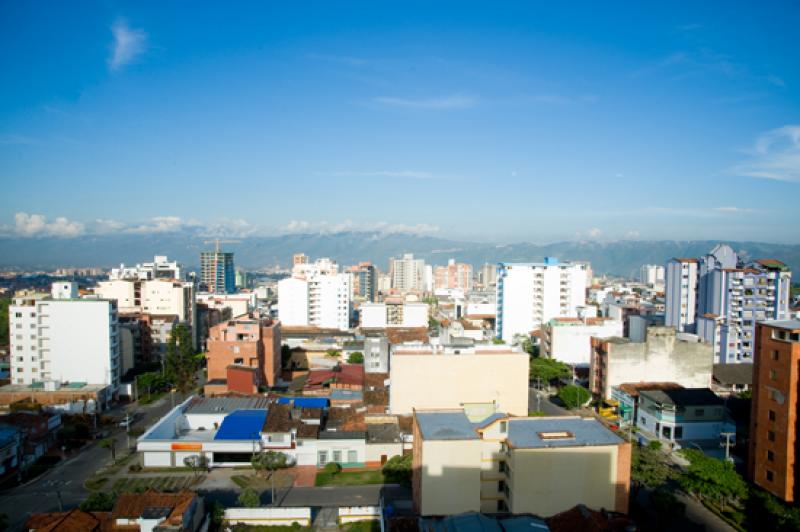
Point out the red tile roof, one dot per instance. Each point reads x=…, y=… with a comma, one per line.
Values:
x=73, y=521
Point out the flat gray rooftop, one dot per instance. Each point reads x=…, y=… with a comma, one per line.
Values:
x=791, y=325
x=445, y=425
x=532, y=433
x=226, y=405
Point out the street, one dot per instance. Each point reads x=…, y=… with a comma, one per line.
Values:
x=66, y=478
x=541, y=401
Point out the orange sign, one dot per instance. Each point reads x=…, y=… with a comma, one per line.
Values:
x=187, y=446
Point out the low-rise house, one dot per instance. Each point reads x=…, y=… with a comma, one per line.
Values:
x=684, y=416
x=38, y=433
x=626, y=398
x=731, y=379
x=156, y=511
x=72, y=520
x=465, y=462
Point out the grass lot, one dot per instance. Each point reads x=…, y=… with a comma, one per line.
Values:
x=349, y=478
x=157, y=483
x=95, y=483
x=261, y=483
x=362, y=526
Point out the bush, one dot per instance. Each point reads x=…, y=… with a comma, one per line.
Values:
x=654, y=445
x=573, y=396
x=398, y=470
x=99, y=502
x=134, y=468
x=332, y=468
x=356, y=357
x=249, y=498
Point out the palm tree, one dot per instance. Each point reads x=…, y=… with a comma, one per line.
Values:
x=270, y=461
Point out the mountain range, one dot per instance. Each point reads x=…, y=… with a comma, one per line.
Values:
x=614, y=258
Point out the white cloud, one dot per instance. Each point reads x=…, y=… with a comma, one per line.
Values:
x=454, y=101
x=104, y=226
x=594, y=232
x=733, y=210
x=775, y=155
x=37, y=225
x=632, y=234
x=324, y=227
x=128, y=44
x=159, y=224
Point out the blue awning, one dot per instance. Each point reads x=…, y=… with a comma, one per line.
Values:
x=242, y=425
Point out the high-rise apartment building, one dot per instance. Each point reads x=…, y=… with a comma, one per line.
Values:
x=217, y=272
x=61, y=338
x=721, y=299
x=407, y=273
x=487, y=276
x=651, y=274
x=363, y=280
x=454, y=275
x=160, y=268
x=772, y=460
x=316, y=295
x=530, y=294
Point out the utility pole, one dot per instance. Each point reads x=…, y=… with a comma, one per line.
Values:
x=128, y=430
x=727, y=444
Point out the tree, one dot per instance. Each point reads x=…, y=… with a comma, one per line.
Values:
x=573, y=396
x=711, y=478
x=249, y=498
x=4, y=333
x=763, y=507
x=181, y=364
x=528, y=347
x=648, y=468
x=356, y=357
x=111, y=445
x=99, y=502
x=397, y=470
x=270, y=461
x=548, y=369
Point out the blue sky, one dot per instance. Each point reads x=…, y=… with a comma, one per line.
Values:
x=484, y=121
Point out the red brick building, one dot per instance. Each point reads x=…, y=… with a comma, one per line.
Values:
x=773, y=418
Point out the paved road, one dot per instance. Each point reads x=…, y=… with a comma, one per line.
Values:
x=544, y=404
x=67, y=478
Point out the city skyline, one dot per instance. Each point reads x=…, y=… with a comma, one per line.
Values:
x=519, y=123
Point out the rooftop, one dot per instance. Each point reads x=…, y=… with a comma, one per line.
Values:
x=445, y=425
x=633, y=388
x=733, y=373
x=684, y=397
x=541, y=432
x=226, y=405
x=789, y=325
x=242, y=425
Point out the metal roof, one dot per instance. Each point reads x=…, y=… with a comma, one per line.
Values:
x=445, y=425
x=226, y=405
x=531, y=433
x=242, y=425
x=791, y=325
x=304, y=402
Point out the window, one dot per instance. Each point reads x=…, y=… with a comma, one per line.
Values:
x=642, y=420
x=501, y=485
x=772, y=415
x=770, y=475
x=678, y=433
x=503, y=427
x=773, y=375
x=501, y=466
x=774, y=355
x=238, y=361
x=770, y=435
x=18, y=314
x=19, y=348
x=770, y=456
x=337, y=457
x=352, y=457
x=323, y=458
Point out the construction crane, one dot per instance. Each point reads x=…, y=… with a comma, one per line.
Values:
x=217, y=242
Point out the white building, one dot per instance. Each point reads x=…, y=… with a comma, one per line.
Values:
x=409, y=273
x=388, y=314
x=530, y=294
x=651, y=274
x=316, y=295
x=239, y=303
x=160, y=268
x=569, y=340
x=681, y=294
x=62, y=338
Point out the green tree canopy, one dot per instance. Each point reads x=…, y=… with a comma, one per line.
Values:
x=648, y=468
x=99, y=502
x=4, y=334
x=397, y=470
x=181, y=365
x=574, y=396
x=249, y=498
x=711, y=478
x=356, y=357
x=269, y=461
x=111, y=445
x=548, y=369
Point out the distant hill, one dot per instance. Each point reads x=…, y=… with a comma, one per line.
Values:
x=614, y=258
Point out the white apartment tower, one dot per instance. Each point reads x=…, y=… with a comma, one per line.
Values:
x=62, y=338
x=651, y=274
x=316, y=295
x=681, y=294
x=407, y=273
x=530, y=294
x=160, y=268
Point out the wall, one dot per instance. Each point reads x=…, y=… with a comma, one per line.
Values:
x=268, y=516
x=293, y=301
x=572, y=343
x=450, y=477
x=450, y=380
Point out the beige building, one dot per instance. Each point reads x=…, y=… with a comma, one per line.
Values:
x=541, y=465
x=664, y=356
x=434, y=376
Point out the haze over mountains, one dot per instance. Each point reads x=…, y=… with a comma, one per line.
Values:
x=615, y=258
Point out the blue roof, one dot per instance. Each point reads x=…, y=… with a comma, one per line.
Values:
x=526, y=433
x=445, y=425
x=242, y=425
x=304, y=402
x=488, y=421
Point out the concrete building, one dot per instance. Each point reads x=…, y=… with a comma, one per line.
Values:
x=665, y=356
x=376, y=353
x=530, y=294
x=721, y=298
x=465, y=461
x=217, y=272
x=651, y=275
x=774, y=411
x=454, y=275
x=487, y=276
x=160, y=268
x=495, y=376
x=61, y=338
x=569, y=340
x=316, y=295
x=243, y=341
x=407, y=273
x=394, y=314
x=363, y=281
x=237, y=304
